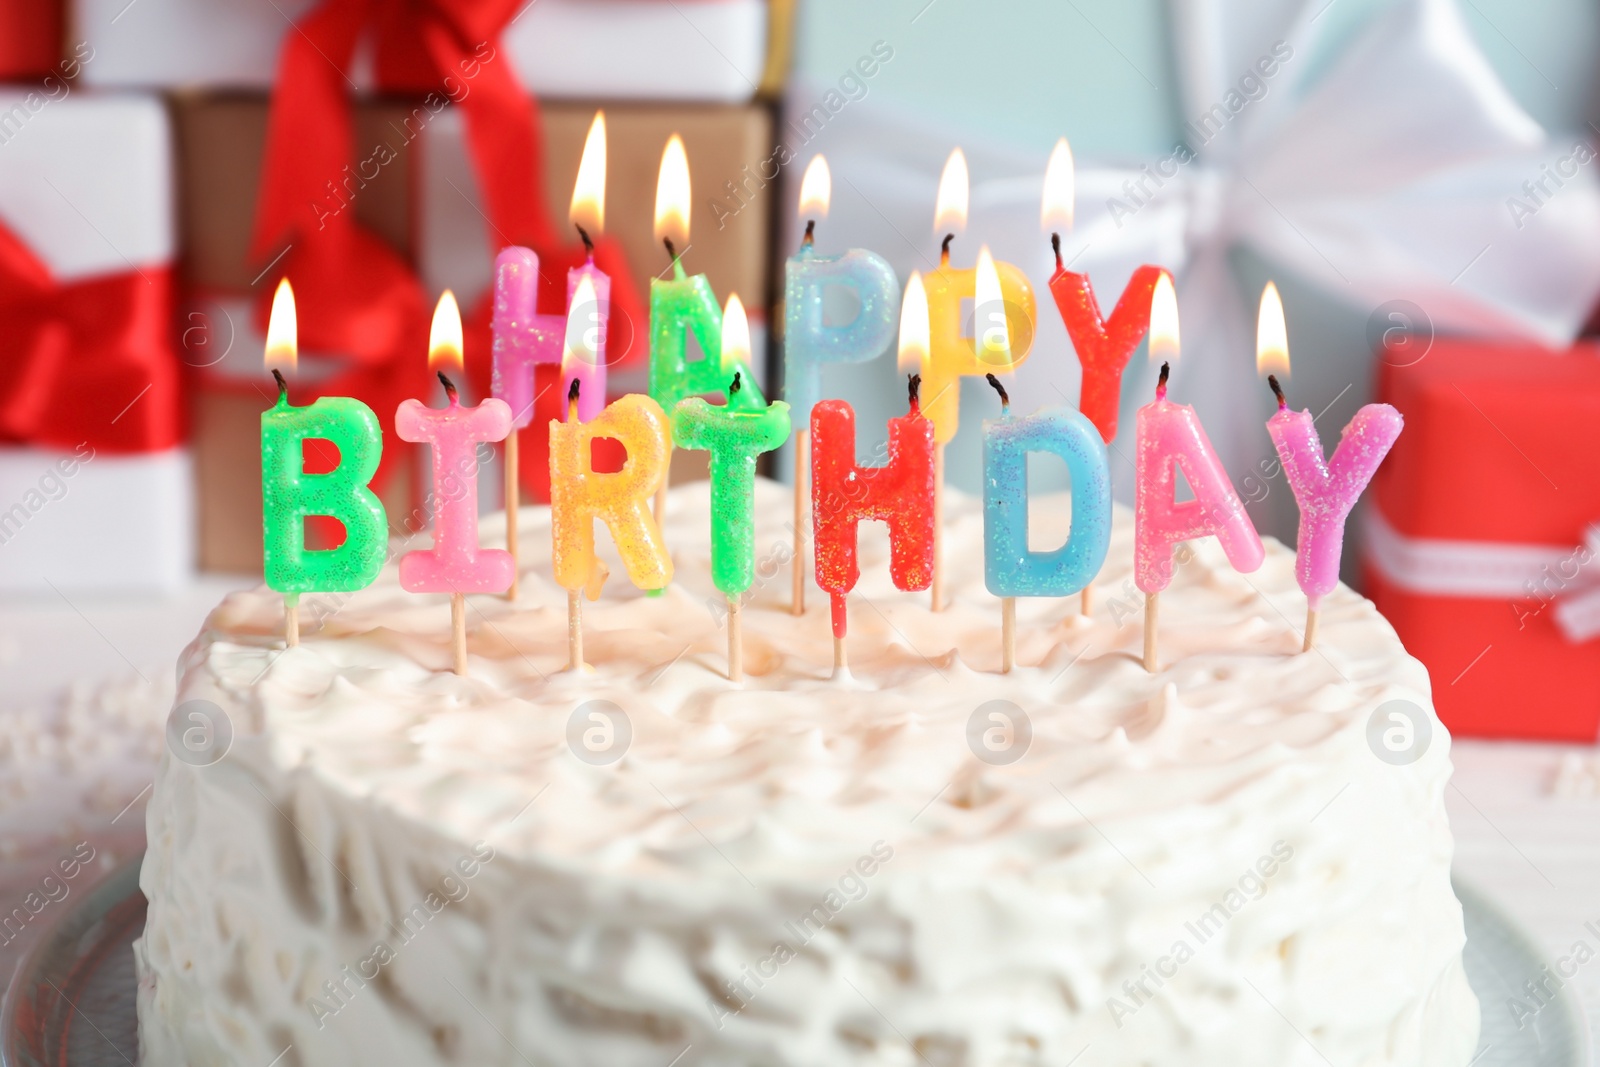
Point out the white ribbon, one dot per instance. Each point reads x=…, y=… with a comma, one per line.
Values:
x=1377, y=171
x=1528, y=576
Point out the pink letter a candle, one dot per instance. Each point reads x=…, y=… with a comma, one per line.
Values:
x=1169, y=436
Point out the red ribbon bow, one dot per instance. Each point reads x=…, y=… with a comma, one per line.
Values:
x=90, y=360
x=355, y=295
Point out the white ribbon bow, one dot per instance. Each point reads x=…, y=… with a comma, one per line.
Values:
x=1377, y=171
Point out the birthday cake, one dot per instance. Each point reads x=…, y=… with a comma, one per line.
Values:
x=1241, y=859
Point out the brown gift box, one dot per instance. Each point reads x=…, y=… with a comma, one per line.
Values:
x=220, y=142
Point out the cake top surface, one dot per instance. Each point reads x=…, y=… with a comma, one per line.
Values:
x=654, y=763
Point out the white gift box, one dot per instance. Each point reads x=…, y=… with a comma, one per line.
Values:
x=86, y=183
x=704, y=50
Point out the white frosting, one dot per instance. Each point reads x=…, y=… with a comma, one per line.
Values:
x=1006, y=907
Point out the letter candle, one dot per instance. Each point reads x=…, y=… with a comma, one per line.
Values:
x=1103, y=346
x=809, y=341
x=951, y=355
x=455, y=564
x=1170, y=435
x=289, y=494
x=1325, y=490
x=900, y=492
x=579, y=495
x=1011, y=569
x=524, y=338
x=681, y=305
x=735, y=438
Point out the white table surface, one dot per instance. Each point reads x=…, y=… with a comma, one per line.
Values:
x=1532, y=851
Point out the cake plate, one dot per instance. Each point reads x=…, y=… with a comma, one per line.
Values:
x=71, y=1001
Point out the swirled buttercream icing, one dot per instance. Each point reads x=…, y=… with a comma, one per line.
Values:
x=1241, y=859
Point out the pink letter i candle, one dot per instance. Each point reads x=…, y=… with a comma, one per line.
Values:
x=1169, y=437
x=456, y=564
x=1324, y=490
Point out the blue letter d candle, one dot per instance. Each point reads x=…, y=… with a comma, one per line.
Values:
x=1010, y=569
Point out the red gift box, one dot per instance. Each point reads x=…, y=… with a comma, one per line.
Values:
x=30, y=37
x=1478, y=538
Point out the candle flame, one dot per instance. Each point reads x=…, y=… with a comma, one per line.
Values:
x=1272, y=334
x=1164, y=321
x=914, y=327
x=444, y=336
x=581, y=345
x=672, y=194
x=950, y=209
x=735, y=336
x=816, y=189
x=283, y=331
x=1060, y=190
x=588, y=208
x=990, y=335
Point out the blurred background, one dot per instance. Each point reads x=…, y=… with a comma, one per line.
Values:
x=1417, y=176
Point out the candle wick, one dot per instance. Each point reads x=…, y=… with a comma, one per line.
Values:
x=588, y=245
x=735, y=385
x=914, y=388
x=1277, y=391
x=283, y=385
x=671, y=251
x=1055, y=245
x=1005, y=398
x=572, y=399
x=811, y=234
x=1161, y=383
x=944, y=250
x=449, y=387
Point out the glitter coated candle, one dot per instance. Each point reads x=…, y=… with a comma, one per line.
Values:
x=289, y=495
x=810, y=342
x=1010, y=568
x=524, y=338
x=951, y=354
x=736, y=439
x=684, y=305
x=900, y=493
x=1325, y=489
x=579, y=495
x=1103, y=345
x=456, y=563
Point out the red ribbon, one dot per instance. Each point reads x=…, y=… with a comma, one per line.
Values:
x=90, y=360
x=355, y=295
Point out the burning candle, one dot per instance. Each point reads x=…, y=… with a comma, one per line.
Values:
x=289, y=494
x=1325, y=490
x=682, y=305
x=455, y=564
x=951, y=355
x=1010, y=568
x=900, y=492
x=1104, y=346
x=735, y=438
x=1169, y=436
x=810, y=341
x=579, y=495
x=524, y=338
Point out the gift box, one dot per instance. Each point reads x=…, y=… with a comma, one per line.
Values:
x=30, y=37
x=1478, y=540
x=426, y=205
x=704, y=50
x=94, y=484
